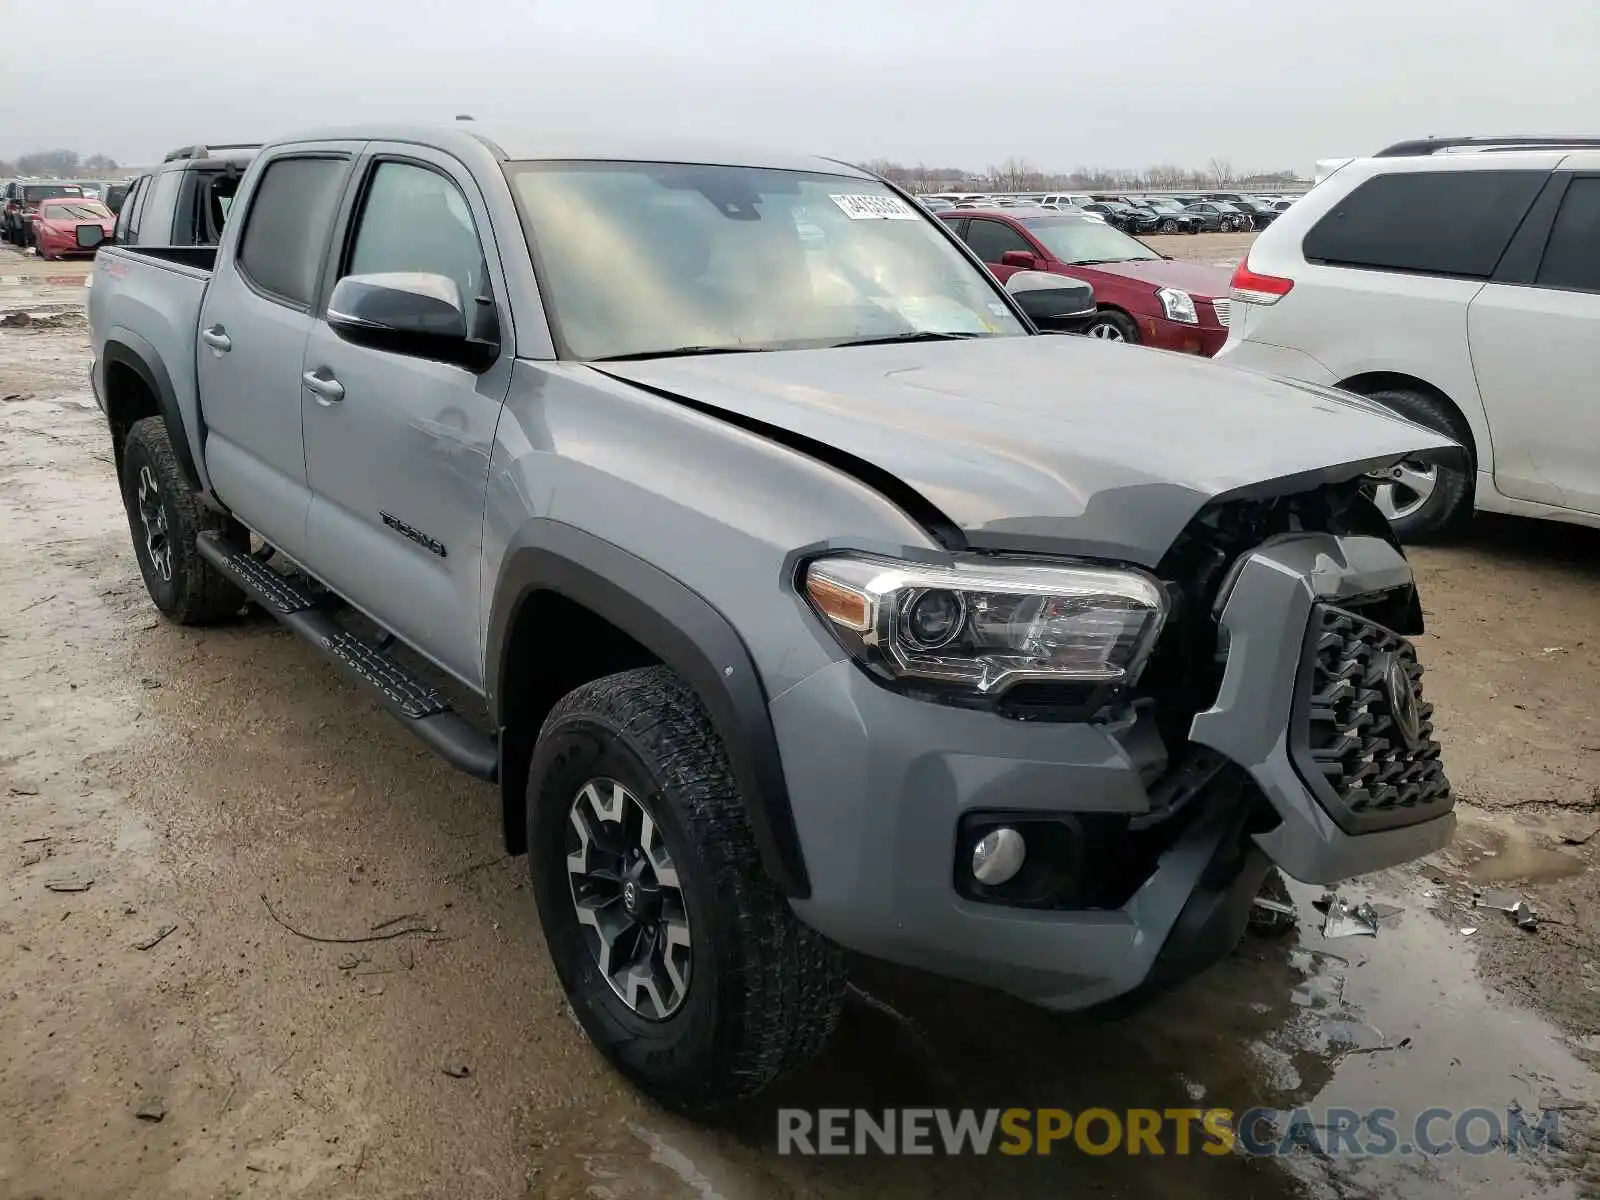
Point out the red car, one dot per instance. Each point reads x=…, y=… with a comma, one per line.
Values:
x=1142, y=296
x=55, y=225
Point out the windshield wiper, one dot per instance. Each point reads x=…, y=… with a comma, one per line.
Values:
x=679, y=352
x=921, y=335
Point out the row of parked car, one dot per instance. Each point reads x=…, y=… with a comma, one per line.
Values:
x=55, y=205
x=1215, y=212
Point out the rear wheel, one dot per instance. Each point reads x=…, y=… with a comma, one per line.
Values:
x=165, y=519
x=1111, y=326
x=680, y=957
x=1423, y=500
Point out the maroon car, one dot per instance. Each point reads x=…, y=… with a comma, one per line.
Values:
x=1142, y=296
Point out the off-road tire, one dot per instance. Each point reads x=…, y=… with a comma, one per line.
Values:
x=196, y=594
x=1448, y=510
x=764, y=991
x=1113, y=320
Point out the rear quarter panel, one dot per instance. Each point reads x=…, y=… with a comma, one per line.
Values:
x=1354, y=321
x=151, y=307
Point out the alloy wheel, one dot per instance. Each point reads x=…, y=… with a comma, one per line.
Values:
x=153, y=515
x=1106, y=332
x=1400, y=491
x=629, y=899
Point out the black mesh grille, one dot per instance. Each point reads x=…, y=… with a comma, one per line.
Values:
x=1365, y=741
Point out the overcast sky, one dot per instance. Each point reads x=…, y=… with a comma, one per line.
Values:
x=1263, y=83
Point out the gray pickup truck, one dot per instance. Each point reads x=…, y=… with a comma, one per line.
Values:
x=815, y=599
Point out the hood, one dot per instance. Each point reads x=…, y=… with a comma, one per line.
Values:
x=1194, y=278
x=1053, y=444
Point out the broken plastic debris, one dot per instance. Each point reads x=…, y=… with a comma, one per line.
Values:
x=1345, y=921
x=1503, y=899
x=1514, y=906
x=1276, y=907
x=1469, y=930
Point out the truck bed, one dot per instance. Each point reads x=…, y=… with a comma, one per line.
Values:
x=157, y=292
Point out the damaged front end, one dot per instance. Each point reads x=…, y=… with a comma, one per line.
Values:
x=1281, y=720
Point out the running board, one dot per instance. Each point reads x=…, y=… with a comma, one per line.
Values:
x=418, y=706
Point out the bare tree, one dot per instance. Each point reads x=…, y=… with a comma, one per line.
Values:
x=1220, y=170
x=48, y=162
x=1014, y=175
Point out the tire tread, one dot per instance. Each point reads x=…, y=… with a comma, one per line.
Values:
x=785, y=984
x=203, y=595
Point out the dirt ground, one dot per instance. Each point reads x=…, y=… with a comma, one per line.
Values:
x=164, y=1033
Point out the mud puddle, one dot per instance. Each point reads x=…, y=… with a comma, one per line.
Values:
x=187, y=774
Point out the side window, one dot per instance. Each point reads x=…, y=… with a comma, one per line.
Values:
x=287, y=226
x=1438, y=222
x=415, y=219
x=127, y=228
x=1572, y=255
x=990, y=239
x=156, y=220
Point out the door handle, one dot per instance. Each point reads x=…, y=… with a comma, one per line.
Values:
x=217, y=338
x=327, y=389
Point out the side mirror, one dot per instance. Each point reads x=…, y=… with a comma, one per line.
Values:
x=1053, y=302
x=408, y=312
x=1019, y=258
x=90, y=236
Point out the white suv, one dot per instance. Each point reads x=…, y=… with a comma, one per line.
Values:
x=1456, y=282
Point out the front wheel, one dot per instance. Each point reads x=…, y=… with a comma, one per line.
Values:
x=1423, y=501
x=680, y=957
x=1169, y=226
x=1111, y=326
x=166, y=519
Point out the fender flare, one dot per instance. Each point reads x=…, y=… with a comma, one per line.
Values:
x=126, y=348
x=682, y=629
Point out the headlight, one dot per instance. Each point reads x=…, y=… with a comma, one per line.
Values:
x=984, y=625
x=1179, y=306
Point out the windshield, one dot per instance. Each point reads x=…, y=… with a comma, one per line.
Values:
x=36, y=192
x=1077, y=241
x=76, y=210
x=1165, y=205
x=638, y=259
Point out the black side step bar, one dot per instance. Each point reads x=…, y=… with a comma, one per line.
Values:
x=418, y=707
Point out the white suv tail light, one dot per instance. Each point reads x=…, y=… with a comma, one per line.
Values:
x=1249, y=287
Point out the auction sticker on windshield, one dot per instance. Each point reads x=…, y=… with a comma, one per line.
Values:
x=874, y=208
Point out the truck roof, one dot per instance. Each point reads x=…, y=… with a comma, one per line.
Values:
x=466, y=139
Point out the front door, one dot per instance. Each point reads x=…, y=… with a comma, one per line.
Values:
x=253, y=327
x=990, y=240
x=397, y=447
x=1536, y=353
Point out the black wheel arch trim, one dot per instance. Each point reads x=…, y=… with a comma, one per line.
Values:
x=127, y=349
x=682, y=629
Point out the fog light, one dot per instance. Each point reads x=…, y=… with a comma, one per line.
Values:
x=998, y=856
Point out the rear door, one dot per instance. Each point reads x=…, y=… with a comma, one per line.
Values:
x=397, y=447
x=254, y=322
x=1536, y=351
